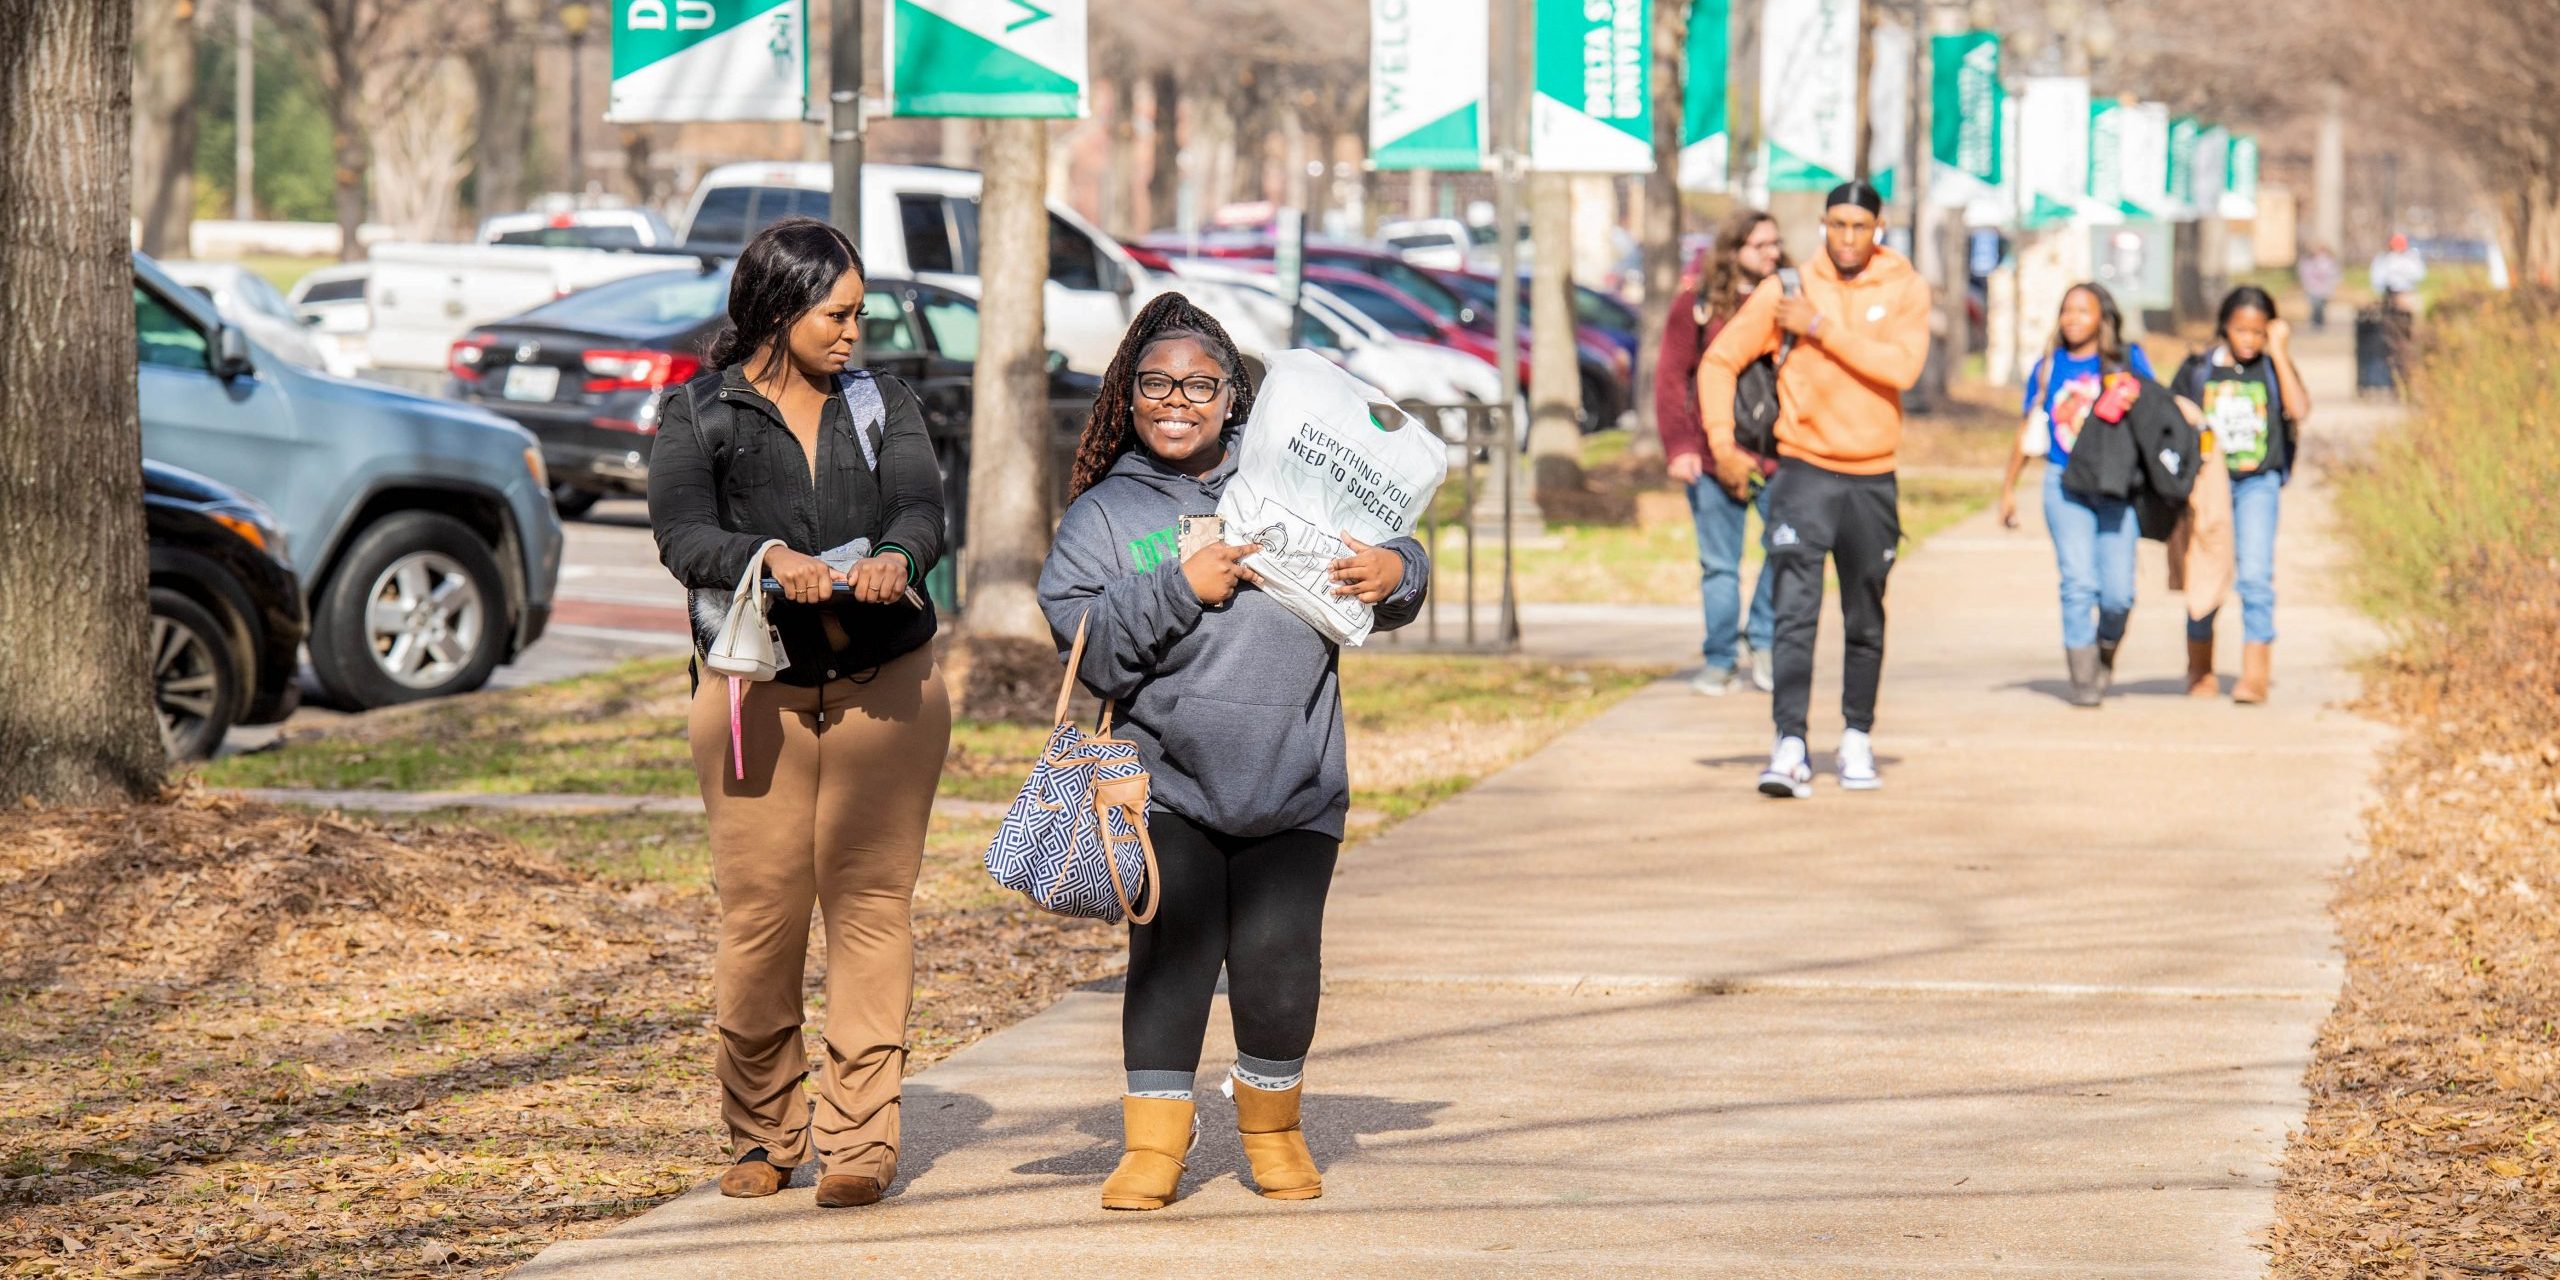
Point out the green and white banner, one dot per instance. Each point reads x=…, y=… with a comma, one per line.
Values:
x=2211, y=166
x=1427, y=64
x=1809, y=93
x=2106, y=160
x=987, y=58
x=1706, y=129
x=2053, y=148
x=1965, y=104
x=2240, y=177
x=1593, y=110
x=1889, y=104
x=2142, y=140
x=682, y=60
x=2183, y=132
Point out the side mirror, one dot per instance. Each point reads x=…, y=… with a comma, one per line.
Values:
x=231, y=353
x=1057, y=362
x=309, y=320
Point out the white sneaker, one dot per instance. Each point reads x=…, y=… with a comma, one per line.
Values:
x=1764, y=671
x=1711, y=683
x=1856, y=762
x=1790, y=774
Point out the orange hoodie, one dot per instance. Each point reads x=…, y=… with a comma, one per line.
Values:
x=1840, y=393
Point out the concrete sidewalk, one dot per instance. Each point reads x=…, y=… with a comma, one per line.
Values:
x=2039, y=1008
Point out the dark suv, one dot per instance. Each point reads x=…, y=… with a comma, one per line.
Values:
x=226, y=613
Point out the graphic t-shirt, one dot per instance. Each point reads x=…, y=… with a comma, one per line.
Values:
x=2068, y=386
x=2243, y=408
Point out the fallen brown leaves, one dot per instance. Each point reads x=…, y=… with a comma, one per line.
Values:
x=2433, y=1142
x=236, y=1039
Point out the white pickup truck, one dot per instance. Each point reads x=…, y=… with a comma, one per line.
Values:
x=424, y=296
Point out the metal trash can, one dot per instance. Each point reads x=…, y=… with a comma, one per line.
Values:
x=2382, y=344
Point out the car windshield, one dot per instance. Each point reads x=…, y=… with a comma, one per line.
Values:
x=348, y=289
x=659, y=301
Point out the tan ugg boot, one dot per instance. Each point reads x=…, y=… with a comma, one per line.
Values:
x=1267, y=1120
x=1159, y=1133
x=2255, y=660
x=2200, y=680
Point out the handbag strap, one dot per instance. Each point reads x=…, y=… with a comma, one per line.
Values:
x=1067, y=685
x=1104, y=804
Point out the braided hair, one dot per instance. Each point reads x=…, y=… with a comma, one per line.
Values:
x=1111, y=429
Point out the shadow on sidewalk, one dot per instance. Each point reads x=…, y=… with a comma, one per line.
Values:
x=1335, y=1124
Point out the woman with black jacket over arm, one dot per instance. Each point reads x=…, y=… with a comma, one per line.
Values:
x=817, y=783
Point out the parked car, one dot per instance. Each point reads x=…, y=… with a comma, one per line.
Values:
x=423, y=528
x=579, y=229
x=243, y=297
x=330, y=302
x=1249, y=304
x=920, y=222
x=227, y=619
x=585, y=374
x=1606, y=357
x=1449, y=244
x=423, y=296
x=1421, y=284
x=1603, y=368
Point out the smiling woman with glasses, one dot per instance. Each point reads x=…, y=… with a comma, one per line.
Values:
x=1235, y=708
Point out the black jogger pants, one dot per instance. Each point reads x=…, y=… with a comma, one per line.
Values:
x=1856, y=522
x=1252, y=904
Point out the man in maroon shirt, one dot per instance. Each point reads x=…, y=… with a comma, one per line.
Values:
x=1745, y=252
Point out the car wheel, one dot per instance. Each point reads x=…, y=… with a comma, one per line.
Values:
x=573, y=503
x=416, y=610
x=1598, y=404
x=195, y=685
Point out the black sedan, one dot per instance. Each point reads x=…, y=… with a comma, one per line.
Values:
x=227, y=620
x=585, y=373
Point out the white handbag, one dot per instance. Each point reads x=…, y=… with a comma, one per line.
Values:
x=744, y=649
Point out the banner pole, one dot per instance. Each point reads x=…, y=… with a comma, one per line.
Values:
x=844, y=116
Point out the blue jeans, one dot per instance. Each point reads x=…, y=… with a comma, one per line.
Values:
x=2254, y=503
x=2093, y=545
x=1720, y=522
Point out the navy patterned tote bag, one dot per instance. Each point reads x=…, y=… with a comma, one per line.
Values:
x=1075, y=841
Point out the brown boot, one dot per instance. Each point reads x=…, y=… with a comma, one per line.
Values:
x=2255, y=659
x=2200, y=680
x=753, y=1176
x=848, y=1190
x=1159, y=1133
x=1283, y=1168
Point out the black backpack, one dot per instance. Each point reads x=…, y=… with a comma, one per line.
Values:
x=1755, y=392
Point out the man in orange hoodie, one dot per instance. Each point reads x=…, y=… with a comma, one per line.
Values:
x=1848, y=346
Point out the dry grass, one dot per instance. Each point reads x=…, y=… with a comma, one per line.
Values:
x=246, y=1040
x=2432, y=1147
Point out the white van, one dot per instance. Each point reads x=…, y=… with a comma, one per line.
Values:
x=921, y=221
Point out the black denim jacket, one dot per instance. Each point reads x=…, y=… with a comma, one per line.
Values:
x=725, y=475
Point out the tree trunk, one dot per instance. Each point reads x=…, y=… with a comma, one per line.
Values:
x=1661, y=235
x=1164, y=178
x=1119, y=176
x=503, y=129
x=1555, y=372
x=1009, y=426
x=164, y=124
x=76, y=724
x=349, y=148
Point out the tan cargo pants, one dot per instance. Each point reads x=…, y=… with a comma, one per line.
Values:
x=831, y=812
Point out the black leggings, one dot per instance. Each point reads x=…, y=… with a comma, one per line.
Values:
x=1254, y=904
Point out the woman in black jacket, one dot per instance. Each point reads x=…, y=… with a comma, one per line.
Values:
x=818, y=783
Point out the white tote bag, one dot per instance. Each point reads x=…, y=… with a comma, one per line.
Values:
x=1324, y=454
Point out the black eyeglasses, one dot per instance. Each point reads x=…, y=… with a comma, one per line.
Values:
x=1200, y=390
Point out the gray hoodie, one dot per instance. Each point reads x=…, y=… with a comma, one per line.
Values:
x=1236, y=711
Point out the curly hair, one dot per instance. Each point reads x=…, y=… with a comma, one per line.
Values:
x=1111, y=429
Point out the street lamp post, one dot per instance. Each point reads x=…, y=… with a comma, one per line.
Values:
x=573, y=20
